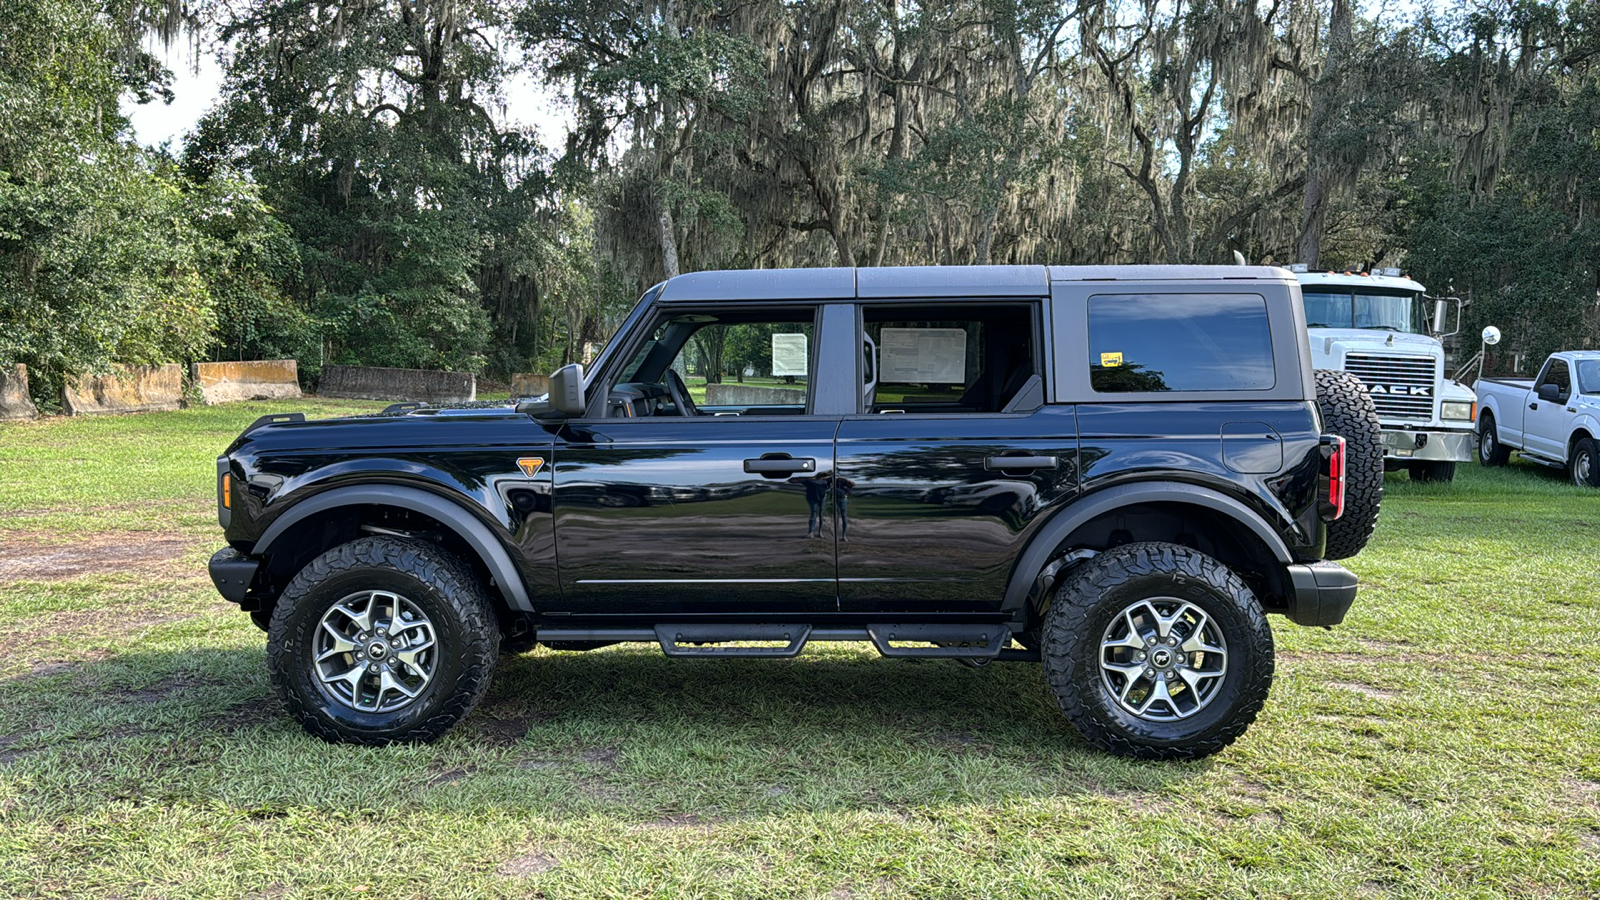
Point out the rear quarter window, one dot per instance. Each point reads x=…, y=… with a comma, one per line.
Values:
x=1142, y=343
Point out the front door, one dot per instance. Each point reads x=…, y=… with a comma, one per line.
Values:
x=1544, y=423
x=705, y=488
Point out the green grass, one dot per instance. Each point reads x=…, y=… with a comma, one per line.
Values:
x=1445, y=741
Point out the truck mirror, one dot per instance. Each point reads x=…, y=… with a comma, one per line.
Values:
x=1550, y=392
x=566, y=390
x=1438, y=316
x=1491, y=335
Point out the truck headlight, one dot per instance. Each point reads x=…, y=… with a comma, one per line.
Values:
x=1460, y=410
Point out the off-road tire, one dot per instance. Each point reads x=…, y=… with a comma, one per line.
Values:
x=1428, y=470
x=1490, y=451
x=1584, y=449
x=1348, y=412
x=1097, y=591
x=438, y=583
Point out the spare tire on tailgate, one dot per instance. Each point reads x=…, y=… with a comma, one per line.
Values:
x=1347, y=411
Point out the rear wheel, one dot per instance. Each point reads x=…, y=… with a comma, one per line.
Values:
x=1348, y=412
x=1490, y=451
x=382, y=640
x=1584, y=464
x=1433, y=471
x=1157, y=651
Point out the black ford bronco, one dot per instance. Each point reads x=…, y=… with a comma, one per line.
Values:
x=1117, y=471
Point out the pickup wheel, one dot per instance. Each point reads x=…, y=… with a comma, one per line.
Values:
x=382, y=640
x=1348, y=412
x=1490, y=451
x=1584, y=466
x=1157, y=651
x=1432, y=471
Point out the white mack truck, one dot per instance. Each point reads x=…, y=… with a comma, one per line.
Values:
x=1379, y=328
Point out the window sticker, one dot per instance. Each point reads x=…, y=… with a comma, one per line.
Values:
x=1110, y=360
x=924, y=355
x=789, y=356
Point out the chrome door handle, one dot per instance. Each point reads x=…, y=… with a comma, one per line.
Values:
x=1012, y=463
x=781, y=465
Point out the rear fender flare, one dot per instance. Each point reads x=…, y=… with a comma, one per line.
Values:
x=1050, y=537
x=451, y=514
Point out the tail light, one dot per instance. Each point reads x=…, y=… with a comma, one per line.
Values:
x=1333, y=452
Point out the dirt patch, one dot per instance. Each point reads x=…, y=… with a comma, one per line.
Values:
x=1581, y=792
x=138, y=552
x=450, y=776
x=1365, y=690
x=159, y=691
x=507, y=732
x=601, y=756
x=248, y=714
x=527, y=864
x=680, y=820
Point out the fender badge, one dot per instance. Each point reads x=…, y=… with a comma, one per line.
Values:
x=530, y=465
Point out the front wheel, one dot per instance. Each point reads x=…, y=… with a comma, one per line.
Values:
x=1491, y=452
x=1584, y=466
x=1157, y=651
x=382, y=640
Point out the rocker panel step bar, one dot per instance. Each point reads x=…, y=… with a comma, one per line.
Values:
x=699, y=639
x=959, y=641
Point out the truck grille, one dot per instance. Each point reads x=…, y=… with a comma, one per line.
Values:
x=1401, y=386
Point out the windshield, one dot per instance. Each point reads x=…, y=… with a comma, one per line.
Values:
x=1368, y=310
x=1588, y=376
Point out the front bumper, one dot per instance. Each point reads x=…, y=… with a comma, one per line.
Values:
x=1432, y=446
x=1320, y=593
x=233, y=573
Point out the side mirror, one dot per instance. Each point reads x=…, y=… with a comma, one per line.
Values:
x=565, y=397
x=566, y=390
x=1438, y=316
x=1491, y=335
x=1550, y=392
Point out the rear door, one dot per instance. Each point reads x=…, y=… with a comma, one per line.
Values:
x=952, y=458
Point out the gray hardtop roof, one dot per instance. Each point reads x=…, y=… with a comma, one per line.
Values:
x=932, y=281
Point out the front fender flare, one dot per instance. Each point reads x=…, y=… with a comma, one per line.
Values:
x=455, y=517
x=1079, y=513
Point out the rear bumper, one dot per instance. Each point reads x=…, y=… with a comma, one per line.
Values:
x=233, y=573
x=1404, y=444
x=1320, y=593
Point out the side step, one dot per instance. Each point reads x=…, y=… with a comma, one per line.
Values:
x=897, y=640
x=951, y=641
x=703, y=640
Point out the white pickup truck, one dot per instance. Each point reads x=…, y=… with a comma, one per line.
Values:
x=1553, y=419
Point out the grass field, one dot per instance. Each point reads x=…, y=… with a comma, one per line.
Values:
x=1444, y=741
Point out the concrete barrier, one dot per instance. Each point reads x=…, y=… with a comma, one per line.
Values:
x=14, y=400
x=524, y=384
x=373, y=383
x=751, y=395
x=261, y=379
x=127, y=389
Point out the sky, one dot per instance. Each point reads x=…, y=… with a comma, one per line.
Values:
x=196, y=87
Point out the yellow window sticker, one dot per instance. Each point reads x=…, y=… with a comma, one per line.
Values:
x=1110, y=360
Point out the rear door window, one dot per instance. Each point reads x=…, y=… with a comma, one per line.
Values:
x=1179, y=342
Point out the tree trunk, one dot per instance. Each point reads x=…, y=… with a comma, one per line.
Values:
x=1325, y=97
x=669, y=240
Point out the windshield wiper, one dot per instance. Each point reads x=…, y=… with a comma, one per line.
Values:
x=1382, y=328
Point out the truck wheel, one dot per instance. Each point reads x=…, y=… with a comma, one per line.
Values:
x=1490, y=451
x=382, y=640
x=1157, y=651
x=1433, y=471
x=1584, y=466
x=1348, y=412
